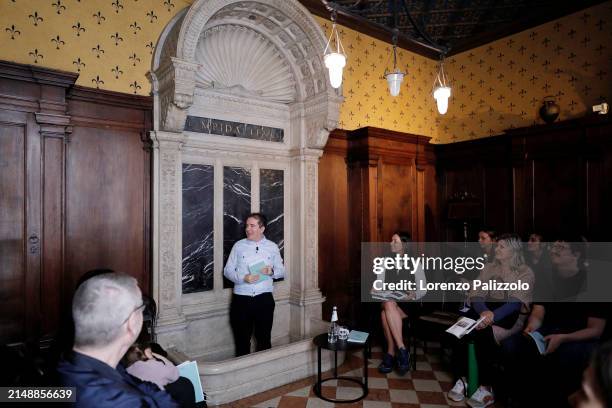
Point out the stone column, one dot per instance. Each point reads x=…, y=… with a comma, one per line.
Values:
x=167, y=237
x=305, y=296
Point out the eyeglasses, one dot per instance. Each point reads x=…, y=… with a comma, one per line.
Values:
x=133, y=311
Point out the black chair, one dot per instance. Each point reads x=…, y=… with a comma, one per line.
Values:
x=149, y=320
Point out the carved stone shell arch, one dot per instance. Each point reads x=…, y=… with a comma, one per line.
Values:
x=278, y=39
x=243, y=62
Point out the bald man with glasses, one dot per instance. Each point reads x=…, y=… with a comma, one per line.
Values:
x=107, y=311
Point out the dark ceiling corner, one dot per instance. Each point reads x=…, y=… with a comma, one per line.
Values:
x=460, y=25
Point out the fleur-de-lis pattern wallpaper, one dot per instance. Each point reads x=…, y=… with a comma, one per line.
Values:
x=108, y=42
x=502, y=84
x=495, y=87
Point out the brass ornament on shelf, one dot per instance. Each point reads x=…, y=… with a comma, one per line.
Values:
x=549, y=111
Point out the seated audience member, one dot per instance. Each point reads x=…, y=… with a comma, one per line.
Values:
x=141, y=362
x=64, y=338
x=570, y=329
x=393, y=313
x=538, y=259
x=107, y=313
x=535, y=251
x=500, y=310
x=487, y=237
x=596, y=389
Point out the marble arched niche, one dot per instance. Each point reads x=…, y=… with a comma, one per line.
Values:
x=256, y=63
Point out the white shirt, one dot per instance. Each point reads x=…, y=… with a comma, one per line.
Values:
x=245, y=252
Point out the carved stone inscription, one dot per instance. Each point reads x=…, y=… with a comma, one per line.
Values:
x=233, y=129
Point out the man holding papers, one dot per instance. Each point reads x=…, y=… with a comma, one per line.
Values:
x=252, y=264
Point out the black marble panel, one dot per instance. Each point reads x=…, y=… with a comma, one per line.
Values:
x=198, y=243
x=233, y=129
x=271, y=204
x=236, y=206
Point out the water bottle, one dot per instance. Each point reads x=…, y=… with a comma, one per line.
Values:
x=332, y=334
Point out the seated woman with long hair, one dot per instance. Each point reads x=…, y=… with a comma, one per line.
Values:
x=499, y=309
x=393, y=313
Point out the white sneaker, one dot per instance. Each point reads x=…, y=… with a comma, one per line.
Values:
x=481, y=398
x=457, y=393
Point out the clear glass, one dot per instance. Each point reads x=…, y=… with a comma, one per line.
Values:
x=332, y=333
x=394, y=80
x=343, y=333
x=334, y=62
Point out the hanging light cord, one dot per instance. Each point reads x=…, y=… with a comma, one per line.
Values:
x=334, y=30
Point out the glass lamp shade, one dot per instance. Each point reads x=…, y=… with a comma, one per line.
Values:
x=441, y=95
x=334, y=62
x=395, y=81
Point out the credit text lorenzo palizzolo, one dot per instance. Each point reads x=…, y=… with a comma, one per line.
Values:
x=410, y=264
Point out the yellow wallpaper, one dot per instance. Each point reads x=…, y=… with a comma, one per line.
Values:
x=496, y=86
x=501, y=85
x=109, y=42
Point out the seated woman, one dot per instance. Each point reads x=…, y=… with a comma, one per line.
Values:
x=570, y=329
x=499, y=309
x=393, y=313
x=141, y=362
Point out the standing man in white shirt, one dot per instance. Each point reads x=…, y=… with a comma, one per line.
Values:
x=252, y=265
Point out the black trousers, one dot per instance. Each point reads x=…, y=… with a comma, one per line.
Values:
x=250, y=314
x=182, y=392
x=545, y=380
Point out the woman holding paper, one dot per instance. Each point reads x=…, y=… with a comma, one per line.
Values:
x=393, y=313
x=499, y=312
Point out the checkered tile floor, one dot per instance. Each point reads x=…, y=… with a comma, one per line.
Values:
x=424, y=387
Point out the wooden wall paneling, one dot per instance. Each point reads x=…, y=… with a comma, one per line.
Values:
x=53, y=231
x=426, y=205
x=481, y=170
x=34, y=229
x=556, y=174
x=108, y=186
x=557, y=194
x=522, y=189
x=457, y=179
x=497, y=196
x=431, y=204
x=419, y=213
x=333, y=225
x=54, y=129
x=598, y=161
x=397, y=187
x=355, y=228
x=13, y=228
